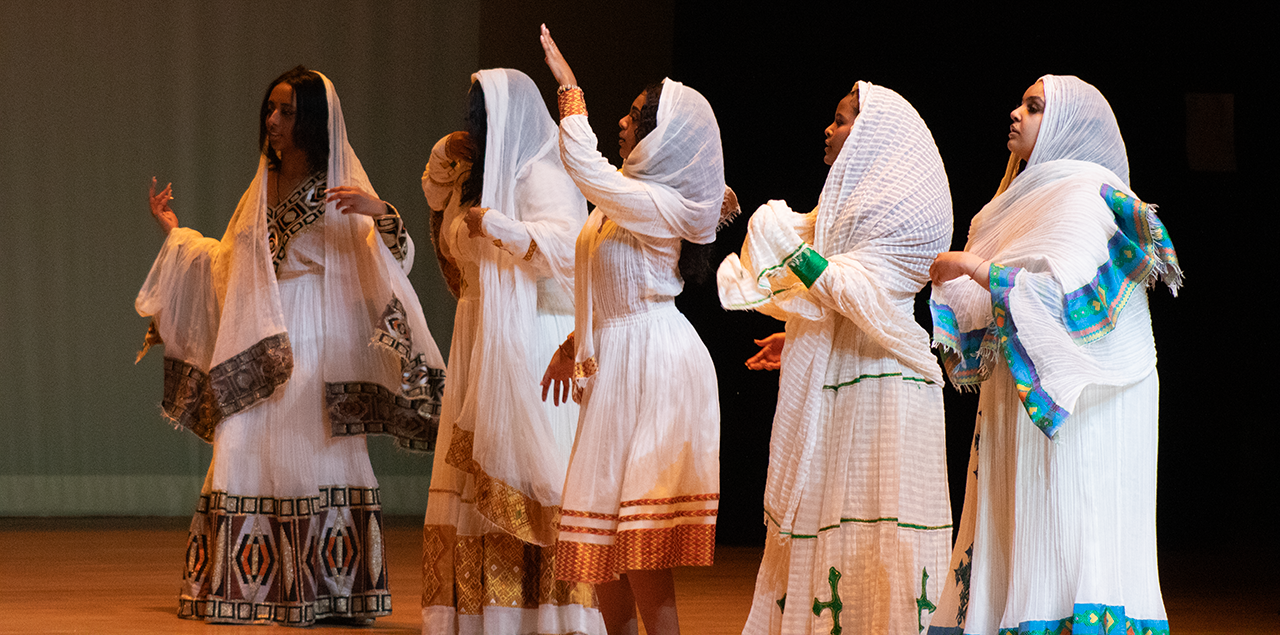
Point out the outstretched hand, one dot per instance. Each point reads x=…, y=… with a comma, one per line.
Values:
x=555, y=61
x=770, y=355
x=160, y=210
x=353, y=200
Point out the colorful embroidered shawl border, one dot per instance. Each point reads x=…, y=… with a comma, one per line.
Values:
x=1138, y=221
x=1090, y=312
x=1047, y=415
x=1090, y=619
x=961, y=353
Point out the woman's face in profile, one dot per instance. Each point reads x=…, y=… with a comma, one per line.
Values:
x=282, y=111
x=838, y=131
x=627, y=128
x=1026, y=122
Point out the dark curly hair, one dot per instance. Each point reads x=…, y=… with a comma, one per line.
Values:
x=310, y=124
x=478, y=129
x=649, y=112
x=696, y=261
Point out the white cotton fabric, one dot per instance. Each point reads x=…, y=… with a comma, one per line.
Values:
x=524, y=181
x=1053, y=223
x=512, y=315
x=857, y=461
x=1049, y=525
x=676, y=172
x=212, y=300
x=650, y=423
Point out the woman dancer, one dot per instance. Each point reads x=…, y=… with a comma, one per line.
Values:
x=856, y=500
x=643, y=484
x=267, y=356
x=1046, y=309
x=507, y=218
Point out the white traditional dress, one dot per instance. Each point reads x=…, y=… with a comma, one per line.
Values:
x=643, y=484
x=269, y=340
x=856, y=502
x=1058, y=529
x=489, y=533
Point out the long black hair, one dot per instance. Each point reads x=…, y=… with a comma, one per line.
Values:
x=311, y=122
x=478, y=130
x=695, y=260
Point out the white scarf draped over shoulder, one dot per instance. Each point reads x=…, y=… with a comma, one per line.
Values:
x=215, y=304
x=1072, y=246
x=507, y=441
x=670, y=186
x=883, y=216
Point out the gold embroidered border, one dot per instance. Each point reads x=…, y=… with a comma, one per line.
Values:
x=468, y=575
x=571, y=102
x=533, y=248
x=500, y=503
x=577, y=529
x=584, y=562
x=670, y=501
x=437, y=564
x=664, y=548
x=687, y=513
x=367, y=408
x=578, y=514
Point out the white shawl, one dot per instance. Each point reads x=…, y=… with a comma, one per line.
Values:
x=1071, y=246
x=519, y=469
x=216, y=306
x=884, y=214
x=679, y=166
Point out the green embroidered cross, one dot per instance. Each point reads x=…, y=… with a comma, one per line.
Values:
x=835, y=605
x=922, y=603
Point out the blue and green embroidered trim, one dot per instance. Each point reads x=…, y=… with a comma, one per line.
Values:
x=961, y=353
x=860, y=378
x=1047, y=415
x=858, y=521
x=1091, y=311
x=1138, y=221
x=807, y=264
x=1091, y=619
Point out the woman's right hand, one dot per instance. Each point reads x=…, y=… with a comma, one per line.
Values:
x=770, y=355
x=160, y=209
x=555, y=61
x=560, y=376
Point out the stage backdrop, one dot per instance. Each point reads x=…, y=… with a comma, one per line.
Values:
x=95, y=99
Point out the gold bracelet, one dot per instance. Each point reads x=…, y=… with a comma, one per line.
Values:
x=571, y=102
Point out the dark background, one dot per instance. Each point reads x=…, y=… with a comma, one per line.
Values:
x=774, y=79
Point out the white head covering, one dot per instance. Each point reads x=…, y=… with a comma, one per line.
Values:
x=682, y=163
x=1053, y=223
x=884, y=215
x=519, y=469
x=217, y=307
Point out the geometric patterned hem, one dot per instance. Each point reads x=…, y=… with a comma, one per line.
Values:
x=286, y=560
x=1087, y=619
x=498, y=502
x=220, y=611
x=690, y=545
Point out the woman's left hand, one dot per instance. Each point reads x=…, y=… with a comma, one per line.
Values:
x=555, y=61
x=950, y=265
x=559, y=378
x=475, y=222
x=353, y=200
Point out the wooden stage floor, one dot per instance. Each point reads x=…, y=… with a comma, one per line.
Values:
x=120, y=575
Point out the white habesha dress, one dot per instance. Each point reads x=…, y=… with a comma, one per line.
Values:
x=643, y=483
x=1058, y=531
x=288, y=529
x=856, y=502
x=489, y=533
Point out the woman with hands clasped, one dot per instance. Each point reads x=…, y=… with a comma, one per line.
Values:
x=1046, y=310
x=856, y=499
x=643, y=483
x=268, y=357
